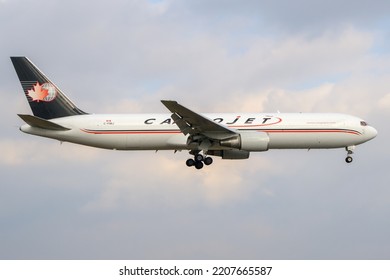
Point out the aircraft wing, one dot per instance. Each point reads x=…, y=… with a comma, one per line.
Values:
x=193, y=123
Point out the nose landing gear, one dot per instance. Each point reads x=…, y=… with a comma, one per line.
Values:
x=349, y=150
x=348, y=159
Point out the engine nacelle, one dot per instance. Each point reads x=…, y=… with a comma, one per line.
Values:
x=248, y=141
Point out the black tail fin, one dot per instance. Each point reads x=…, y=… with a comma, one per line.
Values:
x=46, y=100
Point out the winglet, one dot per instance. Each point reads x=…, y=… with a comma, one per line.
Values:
x=41, y=123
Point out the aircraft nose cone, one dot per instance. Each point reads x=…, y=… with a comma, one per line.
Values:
x=372, y=132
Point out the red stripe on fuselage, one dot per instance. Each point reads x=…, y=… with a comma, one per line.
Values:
x=311, y=131
x=113, y=132
x=110, y=132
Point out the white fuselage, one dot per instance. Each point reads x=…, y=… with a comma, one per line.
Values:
x=159, y=132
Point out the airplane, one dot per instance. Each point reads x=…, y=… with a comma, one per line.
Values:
x=229, y=136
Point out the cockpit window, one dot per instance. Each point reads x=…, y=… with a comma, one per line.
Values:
x=363, y=123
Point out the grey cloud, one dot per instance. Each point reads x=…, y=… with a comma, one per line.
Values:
x=269, y=17
x=76, y=202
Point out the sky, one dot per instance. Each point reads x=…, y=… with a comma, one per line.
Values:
x=64, y=201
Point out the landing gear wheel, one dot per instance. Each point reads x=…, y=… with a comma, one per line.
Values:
x=198, y=157
x=198, y=164
x=348, y=159
x=208, y=160
x=190, y=162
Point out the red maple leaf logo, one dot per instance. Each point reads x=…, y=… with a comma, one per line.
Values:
x=38, y=93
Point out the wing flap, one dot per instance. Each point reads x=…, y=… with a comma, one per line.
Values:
x=41, y=123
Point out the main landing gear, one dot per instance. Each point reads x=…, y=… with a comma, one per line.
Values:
x=199, y=161
x=349, y=150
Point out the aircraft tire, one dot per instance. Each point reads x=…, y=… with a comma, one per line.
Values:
x=198, y=157
x=198, y=165
x=190, y=162
x=348, y=159
x=208, y=160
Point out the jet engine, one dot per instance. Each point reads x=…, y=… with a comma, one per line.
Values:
x=247, y=141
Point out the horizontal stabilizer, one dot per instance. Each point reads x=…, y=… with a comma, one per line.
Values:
x=41, y=123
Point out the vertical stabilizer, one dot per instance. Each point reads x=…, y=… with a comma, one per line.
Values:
x=46, y=100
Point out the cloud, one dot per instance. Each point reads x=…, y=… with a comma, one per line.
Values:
x=271, y=64
x=246, y=56
x=24, y=152
x=291, y=17
x=169, y=183
x=384, y=102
